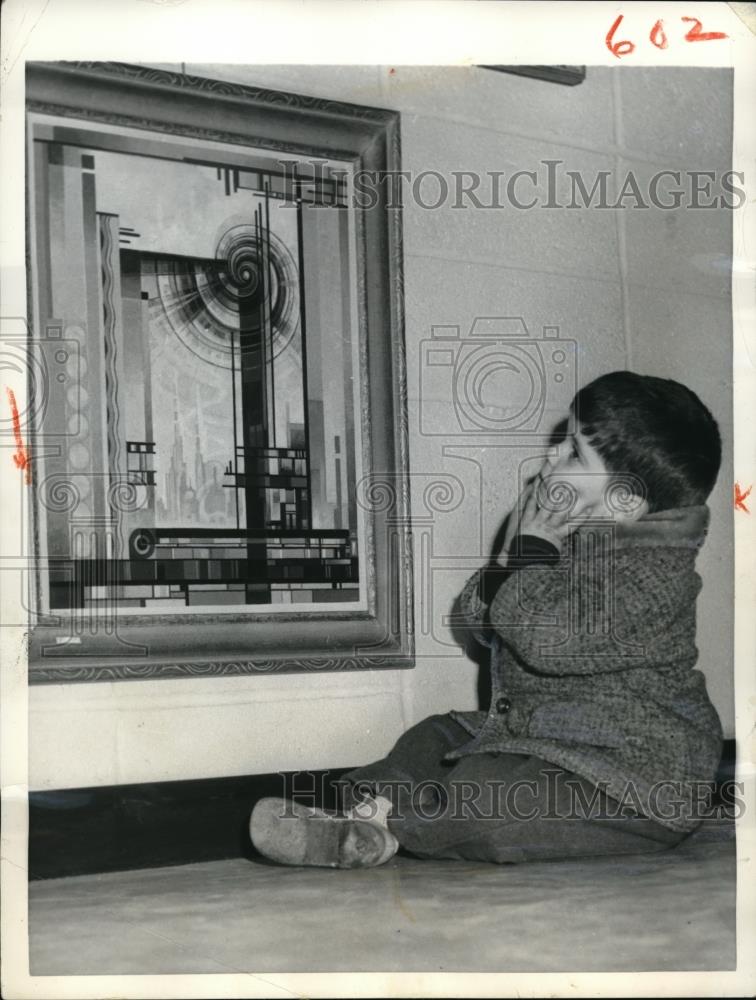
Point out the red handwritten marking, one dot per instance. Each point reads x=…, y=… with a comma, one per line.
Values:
x=21, y=456
x=696, y=35
x=618, y=48
x=658, y=37
x=741, y=497
x=392, y=71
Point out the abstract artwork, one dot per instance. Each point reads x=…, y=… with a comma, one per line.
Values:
x=207, y=421
x=209, y=315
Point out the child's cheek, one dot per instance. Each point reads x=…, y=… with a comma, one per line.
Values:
x=566, y=487
x=590, y=493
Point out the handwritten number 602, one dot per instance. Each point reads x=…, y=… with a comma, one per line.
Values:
x=658, y=37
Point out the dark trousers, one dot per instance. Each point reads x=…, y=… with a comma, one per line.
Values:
x=496, y=807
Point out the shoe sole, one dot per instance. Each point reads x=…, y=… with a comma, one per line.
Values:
x=293, y=834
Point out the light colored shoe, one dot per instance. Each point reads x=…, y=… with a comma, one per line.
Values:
x=293, y=834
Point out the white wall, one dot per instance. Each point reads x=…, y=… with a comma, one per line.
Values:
x=640, y=289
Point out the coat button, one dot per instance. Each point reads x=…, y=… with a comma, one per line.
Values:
x=503, y=705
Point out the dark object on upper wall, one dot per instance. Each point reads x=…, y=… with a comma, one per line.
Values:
x=216, y=362
x=568, y=75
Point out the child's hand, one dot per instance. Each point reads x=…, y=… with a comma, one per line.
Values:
x=514, y=518
x=543, y=522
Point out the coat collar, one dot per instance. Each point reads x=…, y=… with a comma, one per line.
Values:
x=684, y=527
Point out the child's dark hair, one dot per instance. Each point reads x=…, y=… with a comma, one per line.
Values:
x=655, y=429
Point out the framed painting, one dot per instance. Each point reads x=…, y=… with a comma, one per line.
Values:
x=216, y=380
x=570, y=76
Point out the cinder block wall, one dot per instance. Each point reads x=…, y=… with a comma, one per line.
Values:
x=645, y=289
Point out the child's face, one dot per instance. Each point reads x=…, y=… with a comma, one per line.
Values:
x=579, y=465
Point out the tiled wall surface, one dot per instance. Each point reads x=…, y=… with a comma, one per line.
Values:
x=645, y=289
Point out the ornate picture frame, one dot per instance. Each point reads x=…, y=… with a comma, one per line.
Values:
x=143, y=566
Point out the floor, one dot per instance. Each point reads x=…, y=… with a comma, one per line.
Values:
x=669, y=911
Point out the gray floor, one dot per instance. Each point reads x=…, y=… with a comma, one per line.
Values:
x=670, y=911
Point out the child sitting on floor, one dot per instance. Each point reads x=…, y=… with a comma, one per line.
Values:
x=600, y=736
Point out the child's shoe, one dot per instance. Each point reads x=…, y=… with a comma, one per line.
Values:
x=293, y=834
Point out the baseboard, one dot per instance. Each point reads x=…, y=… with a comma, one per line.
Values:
x=82, y=831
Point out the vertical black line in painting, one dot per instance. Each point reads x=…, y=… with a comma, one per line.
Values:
x=254, y=431
x=79, y=578
x=235, y=466
x=85, y=562
x=350, y=456
x=41, y=582
x=303, y=341
x=107, y=244
x=145, y=349
x=268, y=308
x=109, y=605
x=95, y=555
x=102, y=397
x=261, y=328
x=110, y=348
x=338, y=521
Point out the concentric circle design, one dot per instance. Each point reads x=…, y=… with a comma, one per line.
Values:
x=556, y=495
x=59, y=493
x=375, y=495
x=254, y=285
x=24, y=359
x=142, y=544
x=625, y=493
x=490, y=362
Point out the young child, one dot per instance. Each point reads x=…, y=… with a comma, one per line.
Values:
x=600, y=738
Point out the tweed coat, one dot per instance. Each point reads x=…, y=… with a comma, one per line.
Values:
x=592, y=665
